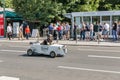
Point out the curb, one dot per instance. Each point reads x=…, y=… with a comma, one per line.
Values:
x=97, y=45
x=90, y=45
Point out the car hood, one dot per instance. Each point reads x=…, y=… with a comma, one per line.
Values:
x=57, y=45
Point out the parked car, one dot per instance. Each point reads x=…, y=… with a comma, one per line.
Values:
x=51, y=50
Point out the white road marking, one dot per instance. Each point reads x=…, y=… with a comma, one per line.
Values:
x=8, y=78
x=109, y=57
x=1, y=60
x=86, y=69
x=12, y=51
x=20, y=46
x=99, y=50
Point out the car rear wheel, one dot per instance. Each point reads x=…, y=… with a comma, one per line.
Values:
x=52, y=54
x=29, y=52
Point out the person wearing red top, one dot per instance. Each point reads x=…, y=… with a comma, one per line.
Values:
x=27, y=32
x=59, y=29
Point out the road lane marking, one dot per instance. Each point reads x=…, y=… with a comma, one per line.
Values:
x=16, y=46
x=99, y=50
x=86, y=69
x=8, y=78
x=12, y=51
x=109, y=57
x=1, y=60
x=20, y=46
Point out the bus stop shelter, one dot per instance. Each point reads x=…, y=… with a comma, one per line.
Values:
x=92, y=17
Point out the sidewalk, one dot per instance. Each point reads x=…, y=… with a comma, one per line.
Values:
x=90, y=43
x=68, y=42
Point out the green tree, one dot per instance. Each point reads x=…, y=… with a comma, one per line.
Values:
x=79, y=5
x=43, y=10
x=109, y=5
x=8, y=3
x=1, y=3
x=47, y=10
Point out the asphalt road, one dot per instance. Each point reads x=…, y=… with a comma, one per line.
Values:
x=81, y=63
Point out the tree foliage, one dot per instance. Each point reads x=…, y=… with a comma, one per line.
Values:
x=8, y=3
x=109, y=5
x=48, y=10
x=43, y=10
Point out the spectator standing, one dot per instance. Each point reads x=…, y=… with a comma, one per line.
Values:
x=27, y=32
x=54, y=31
x=106, y=29
x=87, y=33
x=96, y=31
x=91, y=31
x=83, y=29
x=20, y=35
x=9, y=31
x=114, y=31
x=50, y=28
x=68, y=31
x=59, y=31
x=24, y=26
x=100, y=27
x=74, y=32
x=64, y=31
x=118, y=29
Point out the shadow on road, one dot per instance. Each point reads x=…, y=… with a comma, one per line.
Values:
x=38, y=55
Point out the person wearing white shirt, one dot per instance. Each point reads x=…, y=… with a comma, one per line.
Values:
x=55, y=31
x=106, y=29
x=9, y=31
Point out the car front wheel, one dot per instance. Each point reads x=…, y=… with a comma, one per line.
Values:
x=52, y=54
x=29, y=52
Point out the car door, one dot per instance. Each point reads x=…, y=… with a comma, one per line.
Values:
x=37, y=48
x=44, y=49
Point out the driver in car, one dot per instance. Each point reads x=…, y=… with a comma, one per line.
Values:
x=48, y=41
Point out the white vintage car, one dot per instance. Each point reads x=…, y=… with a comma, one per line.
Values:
x=51, y=50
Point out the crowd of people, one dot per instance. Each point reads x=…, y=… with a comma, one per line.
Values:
x=20, y=35
x=62, y=31
x=99, y=31
x=88, y=32
x=59, y=30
